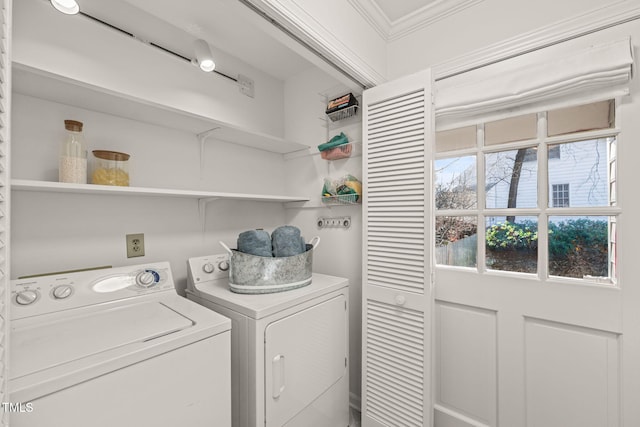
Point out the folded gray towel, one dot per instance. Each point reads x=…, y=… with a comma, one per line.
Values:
x=286, y=241
x=255, y=242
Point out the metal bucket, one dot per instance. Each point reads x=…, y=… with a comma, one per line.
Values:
x=252, y=274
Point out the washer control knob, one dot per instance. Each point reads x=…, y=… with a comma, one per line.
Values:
x=26, y=297
x=62, y=291
x=223, y=265
x=208, y=268
x=146, y=279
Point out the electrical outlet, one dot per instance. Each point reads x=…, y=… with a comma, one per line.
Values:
x=135, y=245
x=337, y=222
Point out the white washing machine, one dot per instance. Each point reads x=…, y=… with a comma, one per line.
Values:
x=289, y=350
x=104, y=348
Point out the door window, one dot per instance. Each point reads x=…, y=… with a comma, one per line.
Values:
x=547, y=199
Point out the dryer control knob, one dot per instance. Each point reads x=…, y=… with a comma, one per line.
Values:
x=223, y=265
x=208, y=268
x=146, y=279
x=62, y=291
x=26, y=297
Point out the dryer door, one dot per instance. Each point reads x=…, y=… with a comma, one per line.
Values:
x=305, y=354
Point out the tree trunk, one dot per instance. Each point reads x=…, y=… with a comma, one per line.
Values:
x=515, y=181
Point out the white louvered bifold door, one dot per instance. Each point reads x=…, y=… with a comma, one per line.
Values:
x=397, y=295
x=5, y=104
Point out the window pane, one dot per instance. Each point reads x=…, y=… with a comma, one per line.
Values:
x=512, y=179
x=456, y=139
x=599, y=115
x=456, y=183
x=583, y=169
x=612, y=171
x=579, y=246
x=512, y=244
x=512, y=129
x=456, y=240
x=560, y=196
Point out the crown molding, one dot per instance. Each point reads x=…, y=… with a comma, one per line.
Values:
x=588, y=22
x=421, y=18
x=288, y=15
x=298, y=23
x=371, y=12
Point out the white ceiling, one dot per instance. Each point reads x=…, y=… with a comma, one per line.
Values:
x=394, y=19
x=232, y=28
x=398, y=9
x=228, y=26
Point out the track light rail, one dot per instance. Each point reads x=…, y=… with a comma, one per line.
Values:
x=149, y=43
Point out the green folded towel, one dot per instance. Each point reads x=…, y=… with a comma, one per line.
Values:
x=334, y=142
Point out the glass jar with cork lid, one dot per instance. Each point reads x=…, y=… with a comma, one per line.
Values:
x=72, y=161
x=110, y=168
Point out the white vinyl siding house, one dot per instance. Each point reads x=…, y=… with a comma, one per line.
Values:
x=581, y=166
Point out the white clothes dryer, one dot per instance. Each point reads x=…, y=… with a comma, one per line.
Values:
x=289, y=350
x=103, y=348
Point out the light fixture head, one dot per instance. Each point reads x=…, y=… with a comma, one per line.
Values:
x=204, y=58
x=68, y=7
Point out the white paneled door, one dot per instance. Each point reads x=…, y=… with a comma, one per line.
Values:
x=397, y=296
x=536, y=291
x=500, y=262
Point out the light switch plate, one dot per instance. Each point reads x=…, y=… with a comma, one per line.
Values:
x=246, y=85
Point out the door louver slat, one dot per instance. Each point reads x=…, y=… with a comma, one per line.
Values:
x=397, y=258
x=394, y=407
x=406, y=141
x=388, y=180
x=405, y=153
x=381, y=107
x=400, y=104
x=401, y=376
x=383, y=250
x=398, y=132
x=413, y=190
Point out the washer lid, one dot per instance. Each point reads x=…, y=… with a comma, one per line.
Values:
x=63, y=340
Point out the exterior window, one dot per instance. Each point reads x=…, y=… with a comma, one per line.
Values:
x=512, y=244
x=532, y=155
x=560, y=195
x=456, y=240
x=456, y=183
x=510, y=182
x=491, y=212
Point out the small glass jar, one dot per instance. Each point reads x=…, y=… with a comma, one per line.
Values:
x=110, y=168
x=72, y=161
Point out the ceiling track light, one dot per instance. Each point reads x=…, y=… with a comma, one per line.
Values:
x=68, y=7
x=204, y=57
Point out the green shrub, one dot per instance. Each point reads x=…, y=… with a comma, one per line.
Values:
x=508, y=236
x=577, y=234
x=564, y=237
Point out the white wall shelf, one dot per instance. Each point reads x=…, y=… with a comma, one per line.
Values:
x=57, y=187
x=42, y=84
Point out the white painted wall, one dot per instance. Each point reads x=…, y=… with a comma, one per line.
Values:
x=340, y=250
x=81, y=49
x=53, y=231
